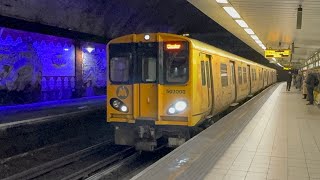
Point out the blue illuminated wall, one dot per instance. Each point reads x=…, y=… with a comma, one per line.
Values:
x=94, y=69
x=36, y=67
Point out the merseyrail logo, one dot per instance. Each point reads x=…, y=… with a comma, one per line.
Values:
x=122, y=92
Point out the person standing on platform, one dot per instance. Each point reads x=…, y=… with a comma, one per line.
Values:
x=304, y=85
x=289, y=80
x=298, y=81
x=312, y=81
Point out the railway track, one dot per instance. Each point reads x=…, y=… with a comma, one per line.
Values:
x=64, y=161
x=130, y=166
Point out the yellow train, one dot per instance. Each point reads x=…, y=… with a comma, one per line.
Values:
x=161, y=86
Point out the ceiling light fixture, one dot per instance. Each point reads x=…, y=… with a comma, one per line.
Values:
x=242, y=23
x=263, y=47
x=232, y=12
x=258, y=41
x=89, y=49
x=235, y=15
x=249, y=31
x=254, y=37
x=222, y=1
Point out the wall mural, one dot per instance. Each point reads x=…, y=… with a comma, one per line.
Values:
x=36, y=67
x=94, y=69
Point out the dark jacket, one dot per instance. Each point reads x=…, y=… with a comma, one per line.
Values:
x=311, y=78
x=289, y=78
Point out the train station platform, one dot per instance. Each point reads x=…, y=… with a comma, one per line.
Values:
x=275, y=135
x=19, y=114
x=29, y=127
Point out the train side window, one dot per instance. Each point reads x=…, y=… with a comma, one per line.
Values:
x=252, y=73
x=203, y=74
x=208, y=76
x=244, y=75
x=232, y=72
x=224, y=75
x=255, y=74
x=240, y=75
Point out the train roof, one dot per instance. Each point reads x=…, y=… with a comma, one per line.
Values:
x=211, y=49
x=200, y=46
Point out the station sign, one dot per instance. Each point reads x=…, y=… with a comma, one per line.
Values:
x=272, y=53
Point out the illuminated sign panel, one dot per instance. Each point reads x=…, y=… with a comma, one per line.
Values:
x=271, y=53
x=287, y=68
x=173, y=46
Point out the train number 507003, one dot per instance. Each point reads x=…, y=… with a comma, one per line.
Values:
x=169, y=91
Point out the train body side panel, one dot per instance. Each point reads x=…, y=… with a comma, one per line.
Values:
x=200, y=101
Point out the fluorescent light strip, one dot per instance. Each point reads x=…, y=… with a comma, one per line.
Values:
x=262, y=46
x=249, y=31
x=242, y=23
x=222, y=1
x=258, y=42
x=254, y=37
x=232, y=12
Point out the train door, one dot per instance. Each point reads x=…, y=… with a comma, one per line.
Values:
x=148, y=86
x=249, y=75
x=233, y=81
x=263, y=78
x=267, y=75
x=205, y=86
x=209, y=80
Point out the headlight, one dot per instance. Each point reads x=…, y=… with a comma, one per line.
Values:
x=177, y=107
x=124, y=108
x=172, y=110
x=180, y=106
x=119, y=105
x=116, y=103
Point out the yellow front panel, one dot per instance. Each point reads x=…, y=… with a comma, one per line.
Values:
x=169, y=95
x=148, y=101
x=123, y=93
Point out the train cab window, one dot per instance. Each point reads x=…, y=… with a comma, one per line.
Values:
x=203, y=74
x=149, y=69
x=175, y=59
x=244, y=75
x=119, y=69
x=240, y=75
x=224, y=75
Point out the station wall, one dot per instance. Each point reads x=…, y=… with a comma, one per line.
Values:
x=36, y=67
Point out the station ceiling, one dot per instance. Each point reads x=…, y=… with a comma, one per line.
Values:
x=113, y=18
x=273, y=21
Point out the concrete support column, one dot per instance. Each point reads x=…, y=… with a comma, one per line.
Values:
x=78, y=67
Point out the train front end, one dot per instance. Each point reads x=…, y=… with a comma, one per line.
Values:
x=149, y=92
